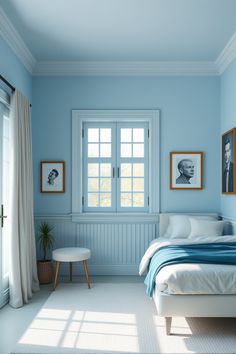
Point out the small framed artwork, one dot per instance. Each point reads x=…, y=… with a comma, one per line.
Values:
x=52, y=176
x=229, y=162
x=186, y=170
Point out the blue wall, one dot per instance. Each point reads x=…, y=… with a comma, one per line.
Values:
x=228, y=121
x=14, y=71
x=190, y=121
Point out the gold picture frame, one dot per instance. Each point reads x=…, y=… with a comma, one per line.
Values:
x=52, y=176
x=228, y=162
x=186, y=170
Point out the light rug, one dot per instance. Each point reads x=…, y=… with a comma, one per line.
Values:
x=118, y=318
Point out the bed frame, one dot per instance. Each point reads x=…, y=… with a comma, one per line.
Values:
x=170, y=306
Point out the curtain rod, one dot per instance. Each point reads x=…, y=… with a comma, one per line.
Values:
x=9, y=85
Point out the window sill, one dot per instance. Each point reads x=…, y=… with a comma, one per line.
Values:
x=98, y=218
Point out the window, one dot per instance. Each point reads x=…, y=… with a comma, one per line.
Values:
x=115, y=166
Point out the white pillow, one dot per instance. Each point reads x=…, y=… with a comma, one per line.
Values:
x=179, y=225
x=205, y=228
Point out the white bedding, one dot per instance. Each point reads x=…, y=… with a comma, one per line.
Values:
x=192, y=278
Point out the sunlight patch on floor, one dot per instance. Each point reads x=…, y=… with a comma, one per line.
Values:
x=54, y=313
x=89, y=330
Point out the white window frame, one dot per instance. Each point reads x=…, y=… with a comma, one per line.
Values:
x=79, y=117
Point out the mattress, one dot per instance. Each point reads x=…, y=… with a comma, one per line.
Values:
x=190, y=278
x=197, y=279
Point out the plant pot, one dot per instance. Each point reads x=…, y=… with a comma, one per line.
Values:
x=45, y=271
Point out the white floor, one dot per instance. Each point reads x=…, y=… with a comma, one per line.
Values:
x=14, y=322
x=114, y=316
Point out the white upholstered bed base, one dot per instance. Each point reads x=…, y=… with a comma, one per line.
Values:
x=169, y=305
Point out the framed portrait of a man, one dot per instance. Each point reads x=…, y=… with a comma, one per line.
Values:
x=186, y=170
x=229, y=162
x=52, y=176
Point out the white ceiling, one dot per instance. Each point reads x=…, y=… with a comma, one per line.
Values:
x=123, y=30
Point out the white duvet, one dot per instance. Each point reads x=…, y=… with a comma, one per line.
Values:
x=192, y=278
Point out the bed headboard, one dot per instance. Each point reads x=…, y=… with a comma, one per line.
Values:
x=164, y=219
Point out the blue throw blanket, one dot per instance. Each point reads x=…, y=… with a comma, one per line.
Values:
x=213, y=253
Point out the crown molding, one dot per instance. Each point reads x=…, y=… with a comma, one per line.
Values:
x=113, y=68
x=14, y=40
x=227, y=55
x=125, y=68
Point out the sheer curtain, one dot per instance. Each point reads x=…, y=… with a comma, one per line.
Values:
x=23, y=280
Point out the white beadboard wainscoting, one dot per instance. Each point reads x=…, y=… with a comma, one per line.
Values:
x=116, y=248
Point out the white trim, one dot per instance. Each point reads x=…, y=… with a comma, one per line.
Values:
x=81, y=116
x=100, y=218
x=54, y=217
x=126, y=68
x=95, y=218
x=77, y=164
x=154, y=163
x=14, y=40
x=227, y=55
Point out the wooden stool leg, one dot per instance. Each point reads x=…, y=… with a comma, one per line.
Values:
x=70, y=271
x=86, y=273
x=56, y=275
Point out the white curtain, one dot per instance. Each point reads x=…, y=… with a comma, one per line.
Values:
x=23, y=279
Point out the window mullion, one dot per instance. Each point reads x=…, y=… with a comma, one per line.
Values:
x=114, y=164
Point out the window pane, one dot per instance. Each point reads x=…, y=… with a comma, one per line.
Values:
x=126, y=135
x=126, y=184
x=93, y=135
x=126, y=200
x=93, y=185
x=105, y=184
x=138, y=170
x=138, y=200
x=138, y=150
x=105, y=135
x=126, y=150
x=105, y=150
x=93, y=150
x=126, y=170
x=105, y=170
x=93, y=170
x=138, y=184
x=138, y=135
x=93, y=200
x=105, y=199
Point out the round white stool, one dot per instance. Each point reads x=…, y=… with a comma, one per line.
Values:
x=71, y=254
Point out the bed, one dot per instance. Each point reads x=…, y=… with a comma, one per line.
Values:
x=192, y=289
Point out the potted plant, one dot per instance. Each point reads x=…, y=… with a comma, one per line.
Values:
x=46, y=240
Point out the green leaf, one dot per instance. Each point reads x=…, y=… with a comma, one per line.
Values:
x=45, y=239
